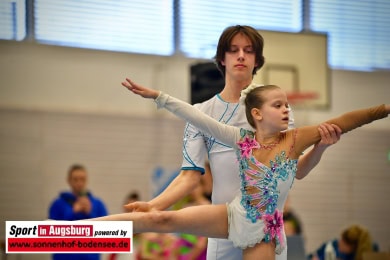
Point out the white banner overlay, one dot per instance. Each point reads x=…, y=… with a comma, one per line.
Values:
x=69, y=236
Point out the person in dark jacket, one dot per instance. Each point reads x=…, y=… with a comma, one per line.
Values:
x=79, y=203
x=353, y=242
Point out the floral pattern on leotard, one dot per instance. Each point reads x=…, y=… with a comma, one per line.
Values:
x=246, y=146
x=262, y=205
x=273, y=227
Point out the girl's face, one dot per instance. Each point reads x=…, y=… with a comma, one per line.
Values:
x=275, y=110
x=240, y=58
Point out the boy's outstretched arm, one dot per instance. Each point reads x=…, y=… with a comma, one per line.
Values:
x=180, y=186
x=140, y=90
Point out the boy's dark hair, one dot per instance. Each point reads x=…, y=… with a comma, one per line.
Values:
x=226, y=38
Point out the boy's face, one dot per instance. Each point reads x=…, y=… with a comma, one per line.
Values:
x=240, y=58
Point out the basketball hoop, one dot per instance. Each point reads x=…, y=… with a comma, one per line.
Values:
x=295, y=98
x=300, y=101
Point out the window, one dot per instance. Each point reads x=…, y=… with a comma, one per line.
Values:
x=202, y=23
x=13, y=20
x=143, y=26
x=358, y=32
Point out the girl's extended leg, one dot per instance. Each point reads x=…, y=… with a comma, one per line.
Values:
x=262, y=251
x=204, y=220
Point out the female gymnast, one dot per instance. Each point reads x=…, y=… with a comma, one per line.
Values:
x=268, y=160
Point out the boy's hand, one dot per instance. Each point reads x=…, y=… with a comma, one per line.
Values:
x=138, y=206
x=330, y=134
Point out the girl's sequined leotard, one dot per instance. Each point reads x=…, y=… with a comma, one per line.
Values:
x=266, y=172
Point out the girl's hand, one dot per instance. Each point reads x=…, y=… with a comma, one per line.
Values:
x=140, y=90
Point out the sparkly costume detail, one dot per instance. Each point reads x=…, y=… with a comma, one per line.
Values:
x=259, y=185
x=273, y=227
x=246, y=147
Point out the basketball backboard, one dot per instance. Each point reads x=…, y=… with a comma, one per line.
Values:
x=297, y=62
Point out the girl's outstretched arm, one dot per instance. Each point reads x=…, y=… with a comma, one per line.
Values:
x=309, y=135
x=140, y=90
x=225, y=133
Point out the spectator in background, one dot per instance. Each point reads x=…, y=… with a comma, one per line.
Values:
x=157, y=246
x=292, y=223
x=79, y=203
x=131, y=197
x=352, y=243
x=153, y=246
x=188, y=246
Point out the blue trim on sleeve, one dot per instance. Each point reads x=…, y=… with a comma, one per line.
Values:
x=199, y=169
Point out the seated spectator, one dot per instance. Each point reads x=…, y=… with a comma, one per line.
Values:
x=292, y=223
x=352, y=243
x=131, y=197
